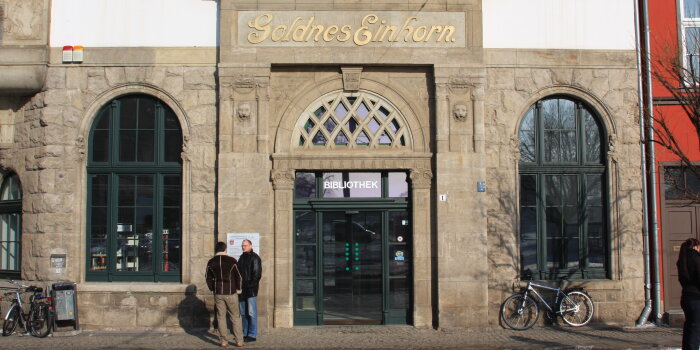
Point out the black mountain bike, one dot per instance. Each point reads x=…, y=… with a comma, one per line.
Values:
x=521, y=311
x=38, y=321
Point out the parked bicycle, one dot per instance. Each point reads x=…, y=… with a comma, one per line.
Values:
x=521, y=311
x=37, y=321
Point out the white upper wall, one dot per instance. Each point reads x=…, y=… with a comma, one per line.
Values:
x=125, y=23
x=537, y=24
x=559, y=24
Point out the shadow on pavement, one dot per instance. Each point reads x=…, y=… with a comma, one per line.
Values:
x=578, y=336
x=193, y=316
x=545, y=344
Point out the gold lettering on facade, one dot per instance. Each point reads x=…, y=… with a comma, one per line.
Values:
x=421, y=29
x=346, y=33
x=300, y=31
x=262, y=25
x=407, y=28
x=278, y=32
x=371, y=29
x=363, y=35
x=286, y=37
x=444, y=36
x=330, y=32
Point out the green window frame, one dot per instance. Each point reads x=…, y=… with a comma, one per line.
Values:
x=10, y=227
x=563, y=207
x=134, y=186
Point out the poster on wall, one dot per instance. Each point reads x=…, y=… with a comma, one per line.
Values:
x=234, y=240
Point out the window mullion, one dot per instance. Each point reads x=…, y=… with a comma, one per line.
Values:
x=583, y=222
x=114, y=133
x=18, y=243
x=539, y=135
x=157, y=258
x=581, y=135
x=5, y=238
x=159, y=137
x=112, y=202
x=580, y=186
x=541, y=224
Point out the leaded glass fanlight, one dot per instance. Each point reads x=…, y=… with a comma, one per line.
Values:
x=351, y=120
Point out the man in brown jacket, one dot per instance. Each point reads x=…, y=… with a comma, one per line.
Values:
x=224, y=279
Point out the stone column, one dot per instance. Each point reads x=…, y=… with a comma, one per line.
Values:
x=479, y=137
x=263, y=98
x=442, y=120
x=421, y=180
x=460, y=242
x=189, y=244
x=283, y=183
x=244, y=191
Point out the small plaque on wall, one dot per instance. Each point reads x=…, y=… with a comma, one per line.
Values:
x=234, y=240
x=58, y=262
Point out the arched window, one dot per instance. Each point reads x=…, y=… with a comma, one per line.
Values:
x=351, y=120
x=134, y=222
x=11, y=229
x=563, y=221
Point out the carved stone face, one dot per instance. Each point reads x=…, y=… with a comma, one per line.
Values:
x=460, y=111
x=244, y=111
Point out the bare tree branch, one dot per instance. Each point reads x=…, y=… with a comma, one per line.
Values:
x=678, y=74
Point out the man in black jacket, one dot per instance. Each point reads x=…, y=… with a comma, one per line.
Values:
x=224, y=279
x=251, y=271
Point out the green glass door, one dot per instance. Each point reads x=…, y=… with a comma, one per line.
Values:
x=352, y=248
x=352, y=267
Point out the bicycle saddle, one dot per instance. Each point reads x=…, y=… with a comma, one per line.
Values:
x=35, y=289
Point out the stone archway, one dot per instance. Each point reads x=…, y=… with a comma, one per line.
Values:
x=412, y=156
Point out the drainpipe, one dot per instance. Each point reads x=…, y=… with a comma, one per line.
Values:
x=645, y=213
x=651, y=165
x=651, y=148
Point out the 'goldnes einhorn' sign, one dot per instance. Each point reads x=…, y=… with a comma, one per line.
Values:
x=324, y=28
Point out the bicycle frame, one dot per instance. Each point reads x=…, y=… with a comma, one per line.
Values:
x=531, y=288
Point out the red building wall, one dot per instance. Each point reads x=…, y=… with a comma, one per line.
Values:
x=664, y=42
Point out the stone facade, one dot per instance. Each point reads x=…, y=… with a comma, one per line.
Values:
x=463, y=105
x=51, y=132
x=610, y=87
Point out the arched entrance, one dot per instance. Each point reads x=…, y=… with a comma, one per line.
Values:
x=350, y=176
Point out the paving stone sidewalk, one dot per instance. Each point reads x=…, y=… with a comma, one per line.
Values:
x=371, y=337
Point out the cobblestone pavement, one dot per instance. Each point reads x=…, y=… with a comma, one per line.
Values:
x=371, y=337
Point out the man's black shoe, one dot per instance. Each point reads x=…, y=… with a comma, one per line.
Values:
x=248, y=339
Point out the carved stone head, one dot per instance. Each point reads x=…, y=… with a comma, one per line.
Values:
x=244, y=110
x=460, y=111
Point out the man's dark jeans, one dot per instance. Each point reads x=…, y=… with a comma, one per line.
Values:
x=691, y=327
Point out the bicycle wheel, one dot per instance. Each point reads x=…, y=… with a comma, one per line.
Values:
x=520, y=312
x=576, y=308
x=11, y=321
x=40, y=320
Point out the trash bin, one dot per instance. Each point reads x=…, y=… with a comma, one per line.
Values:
x=64, y=296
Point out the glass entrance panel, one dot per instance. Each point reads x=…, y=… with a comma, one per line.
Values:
x=352, y=267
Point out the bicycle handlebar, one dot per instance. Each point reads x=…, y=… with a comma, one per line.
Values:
x=26, y=287
x=19, y=285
